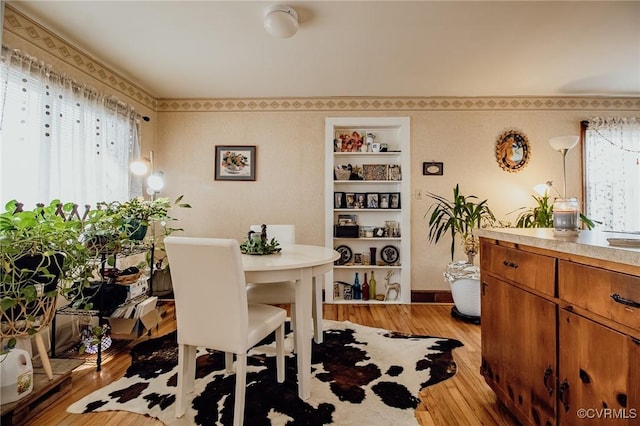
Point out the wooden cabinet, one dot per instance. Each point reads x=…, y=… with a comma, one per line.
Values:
x=560, y=335
x=520, y=370
x=376, y=196
x=598, y=367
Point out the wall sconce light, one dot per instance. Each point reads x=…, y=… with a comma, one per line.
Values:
x=281, y=21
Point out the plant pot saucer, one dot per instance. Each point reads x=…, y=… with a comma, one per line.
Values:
x=463, y=317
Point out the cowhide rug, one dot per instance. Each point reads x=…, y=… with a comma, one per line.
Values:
x=361, y=376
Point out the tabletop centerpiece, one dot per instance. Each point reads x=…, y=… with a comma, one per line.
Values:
x=259, y=244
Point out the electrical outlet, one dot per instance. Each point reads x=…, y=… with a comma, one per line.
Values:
x=418, y=194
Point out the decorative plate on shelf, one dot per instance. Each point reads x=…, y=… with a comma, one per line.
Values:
x=345, y=255
x=389, y=254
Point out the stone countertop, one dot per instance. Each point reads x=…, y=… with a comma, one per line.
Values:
x=592, y=244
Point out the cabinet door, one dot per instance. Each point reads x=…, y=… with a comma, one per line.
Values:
x=519, y=350
x=598, y=376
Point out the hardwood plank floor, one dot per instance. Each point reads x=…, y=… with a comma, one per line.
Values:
x=465, y=399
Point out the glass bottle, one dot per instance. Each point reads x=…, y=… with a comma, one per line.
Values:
x=357, y=290
x=372, y=286
x=365, y=288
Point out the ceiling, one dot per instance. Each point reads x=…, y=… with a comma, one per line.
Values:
x=219, y=49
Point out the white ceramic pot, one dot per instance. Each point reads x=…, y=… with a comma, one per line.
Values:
x=466, y=296
x=16, y=372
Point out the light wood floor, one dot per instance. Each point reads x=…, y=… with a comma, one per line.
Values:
x=464, y=399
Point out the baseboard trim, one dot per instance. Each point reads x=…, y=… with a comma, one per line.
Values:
x=431, y=296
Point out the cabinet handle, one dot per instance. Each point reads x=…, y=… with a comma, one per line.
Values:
x=548, y=381
x=628, y=302
x=563, y=395
x=510, y=264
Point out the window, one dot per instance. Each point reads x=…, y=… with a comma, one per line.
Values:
x=61, y=139
x=612, y=173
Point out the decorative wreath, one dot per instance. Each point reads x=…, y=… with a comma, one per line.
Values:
x=513, y=151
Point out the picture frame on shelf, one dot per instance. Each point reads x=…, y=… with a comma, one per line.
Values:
x=339, y=201
x=235, y=162
x=347, y=219
x=372, y=200
x=394, y=172
x=350, y=200
x=374, y=171
x=394, y=200
x=384, y=200
x=361, y=201
x=357, y=258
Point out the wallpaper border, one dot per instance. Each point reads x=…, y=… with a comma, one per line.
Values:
x=400, y=104
x=32, y=32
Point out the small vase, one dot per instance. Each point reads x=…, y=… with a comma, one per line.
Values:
x=372, y=259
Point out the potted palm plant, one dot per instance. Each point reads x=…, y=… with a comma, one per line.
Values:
x=461, y=215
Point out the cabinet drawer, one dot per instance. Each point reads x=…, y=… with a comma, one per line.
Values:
x=529, y=269
x=610, y=294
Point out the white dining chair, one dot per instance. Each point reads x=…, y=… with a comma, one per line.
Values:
x=212, y=312
x=283, y=293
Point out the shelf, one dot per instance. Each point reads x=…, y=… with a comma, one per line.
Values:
x=374, y=154
x=69, y=310
x=395, y=132
x=367, y=181
x=367, y=210
x=366, y=267
x=369, y=238
x=360, y=301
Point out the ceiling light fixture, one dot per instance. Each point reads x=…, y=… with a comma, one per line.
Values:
x=281, y=21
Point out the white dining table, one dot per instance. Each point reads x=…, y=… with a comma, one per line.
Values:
x=303, y=264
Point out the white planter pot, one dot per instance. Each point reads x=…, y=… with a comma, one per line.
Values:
x=466, y=296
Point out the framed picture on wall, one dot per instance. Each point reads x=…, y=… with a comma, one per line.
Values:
x=235, y=162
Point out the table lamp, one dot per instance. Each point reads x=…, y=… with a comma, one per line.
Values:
x=566, y=211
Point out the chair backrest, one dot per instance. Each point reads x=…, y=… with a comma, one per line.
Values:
x=210, y=292
x=284, y=234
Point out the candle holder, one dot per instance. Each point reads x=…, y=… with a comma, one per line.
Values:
x=566, y=216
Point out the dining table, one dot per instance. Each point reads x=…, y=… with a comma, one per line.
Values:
x=305, y=265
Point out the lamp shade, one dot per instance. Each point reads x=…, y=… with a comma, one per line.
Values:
x=140, y=167
x=281, y=21
x=156, y=181
x=560, y=143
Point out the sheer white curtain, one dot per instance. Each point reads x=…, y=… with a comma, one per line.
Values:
x=60, y=139
x=612, y=172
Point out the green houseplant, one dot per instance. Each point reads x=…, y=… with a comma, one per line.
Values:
x=541, y=215
x=40, y=254
x=458, y=215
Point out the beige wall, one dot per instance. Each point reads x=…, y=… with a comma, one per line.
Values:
x=290, y=164
x=289, y=135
